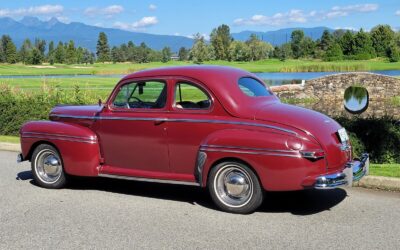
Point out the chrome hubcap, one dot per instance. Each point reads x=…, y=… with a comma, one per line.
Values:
x=48, y=166
x=233, y=186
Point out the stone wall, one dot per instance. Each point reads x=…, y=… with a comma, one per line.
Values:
x=326, y=94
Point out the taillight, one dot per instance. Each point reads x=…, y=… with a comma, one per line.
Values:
x=314, y=155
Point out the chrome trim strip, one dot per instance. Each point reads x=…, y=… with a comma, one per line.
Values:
x=148, y=179
x=92, y=138
x=249, y=152
x=176, y=120
x=58, y=138
x=247, y=148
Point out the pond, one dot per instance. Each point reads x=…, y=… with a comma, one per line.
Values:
x=271, y=78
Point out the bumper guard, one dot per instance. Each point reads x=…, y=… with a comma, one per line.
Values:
x=353, y=171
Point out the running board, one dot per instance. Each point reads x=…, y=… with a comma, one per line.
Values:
x=149, y=180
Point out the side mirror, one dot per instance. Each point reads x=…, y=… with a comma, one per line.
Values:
x=100, y=102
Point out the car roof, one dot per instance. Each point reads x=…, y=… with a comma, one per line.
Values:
x=222, y=81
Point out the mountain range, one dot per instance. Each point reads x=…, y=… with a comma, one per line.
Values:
x=86, y=35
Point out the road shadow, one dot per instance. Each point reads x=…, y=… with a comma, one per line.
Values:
x=305, y=202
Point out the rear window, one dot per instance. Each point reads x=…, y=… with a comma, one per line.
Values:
x=253, y=87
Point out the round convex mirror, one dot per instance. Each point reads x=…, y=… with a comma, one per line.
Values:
x=356, y=99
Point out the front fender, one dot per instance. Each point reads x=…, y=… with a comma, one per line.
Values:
x=278, y=166
x=77, y=145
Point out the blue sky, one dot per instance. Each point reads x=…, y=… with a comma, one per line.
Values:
x=185, y=17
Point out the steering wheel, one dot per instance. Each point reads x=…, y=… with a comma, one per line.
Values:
x=137, y=99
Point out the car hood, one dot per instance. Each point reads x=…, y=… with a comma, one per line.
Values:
x=319, y=126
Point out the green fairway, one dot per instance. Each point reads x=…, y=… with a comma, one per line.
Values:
x=269, y=65
x=388, y=170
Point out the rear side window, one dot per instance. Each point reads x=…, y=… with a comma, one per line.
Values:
x=253, y=87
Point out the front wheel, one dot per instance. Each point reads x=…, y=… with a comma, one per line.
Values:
x=47, y=167
x=235, y=188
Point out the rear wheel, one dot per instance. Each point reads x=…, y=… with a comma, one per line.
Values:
x=235, y=188
x=47, y=167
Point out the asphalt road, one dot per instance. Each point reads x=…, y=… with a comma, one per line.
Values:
x=104, y=213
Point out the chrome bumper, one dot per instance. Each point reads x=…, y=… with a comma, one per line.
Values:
x=353, y=171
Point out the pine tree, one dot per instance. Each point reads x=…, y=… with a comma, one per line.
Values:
x=199, y=52
x=59, y=54
x=103, y=49
x=25, y=50
x=70, y=55
x=9, y=50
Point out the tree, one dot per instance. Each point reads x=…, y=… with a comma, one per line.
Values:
x=70, y=55
x=166, y=54
x=36, y=56
x=8, y=51
x=393, y=52
x=297, y=38
x=183, y=54
x=103, y=49
x=307, y=46
x=199, y=52
x=116, y=54
x=24, y=51
x=59, y=54
x=239, y=51
x=363, y=46
x=381, y=36
x=86, y=56
x=347, y=43
x=326, y=40
x=142, y=53
x=258, y=49
x=220, y=40
x=333, y=52
x=41, y=46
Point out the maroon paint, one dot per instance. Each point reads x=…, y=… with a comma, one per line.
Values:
x=164, y=144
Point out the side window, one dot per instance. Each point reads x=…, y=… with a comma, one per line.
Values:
x=146, y=94
x=189, y=96
x=252, y=87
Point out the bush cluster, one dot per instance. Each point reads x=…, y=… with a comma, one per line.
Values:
x=380, y=137
x=19, y=106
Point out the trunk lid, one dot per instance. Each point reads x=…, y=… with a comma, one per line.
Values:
x=323, y=128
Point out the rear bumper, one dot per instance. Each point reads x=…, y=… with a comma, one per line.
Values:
x=353, y=171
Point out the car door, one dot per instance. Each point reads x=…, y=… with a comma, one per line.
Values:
x=192, y=109
x=132, y=132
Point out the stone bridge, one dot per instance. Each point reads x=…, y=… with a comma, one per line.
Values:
x=326, y=94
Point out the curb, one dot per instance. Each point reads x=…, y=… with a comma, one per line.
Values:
x=372, y=182
x=379, y=182
x=6, y=146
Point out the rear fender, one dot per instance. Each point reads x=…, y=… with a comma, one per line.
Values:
x=77, y=145
x=278, y=166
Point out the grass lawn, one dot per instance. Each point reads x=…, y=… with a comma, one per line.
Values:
x=270, y=65
x=10, y=139
x=388, y=170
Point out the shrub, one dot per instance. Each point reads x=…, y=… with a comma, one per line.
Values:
x=381, y=137
x=19, y=106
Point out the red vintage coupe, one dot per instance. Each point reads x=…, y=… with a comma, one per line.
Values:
x=207, y=126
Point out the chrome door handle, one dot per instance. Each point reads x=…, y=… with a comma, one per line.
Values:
x=159, y=121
